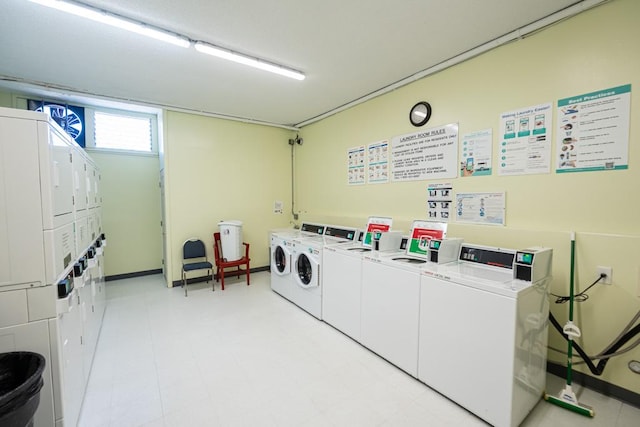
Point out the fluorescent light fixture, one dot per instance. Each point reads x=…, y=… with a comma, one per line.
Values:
x=247, y=60
x=115, y=21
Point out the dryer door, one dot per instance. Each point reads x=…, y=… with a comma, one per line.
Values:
x=281, y=260
x=307, y=272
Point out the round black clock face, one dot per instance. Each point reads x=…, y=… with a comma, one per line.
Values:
x=420, y=113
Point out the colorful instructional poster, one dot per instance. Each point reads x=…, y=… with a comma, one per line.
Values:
x=593, y=131
x=356, y=165
x=475, y=153
x=439, y=198
x=421, y=233
x=378, y=165
x=525, y=141
x=480, y=208
x=427, y=154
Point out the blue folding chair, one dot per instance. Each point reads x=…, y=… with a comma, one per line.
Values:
x=194, y=257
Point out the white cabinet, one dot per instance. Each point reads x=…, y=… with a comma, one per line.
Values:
x=49, y=219
x=21, y=222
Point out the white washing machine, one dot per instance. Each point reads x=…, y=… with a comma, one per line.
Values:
x=390, y=307
x=483, y=334
x=307, y=266
x=342, y=285
x=282, y=256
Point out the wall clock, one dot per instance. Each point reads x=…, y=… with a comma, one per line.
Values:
x=420, y=113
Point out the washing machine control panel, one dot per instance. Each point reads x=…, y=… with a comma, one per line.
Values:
x=492, y=257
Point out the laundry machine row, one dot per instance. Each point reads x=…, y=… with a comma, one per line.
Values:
x=467, y=320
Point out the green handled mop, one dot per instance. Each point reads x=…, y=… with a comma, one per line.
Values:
x=567, y=398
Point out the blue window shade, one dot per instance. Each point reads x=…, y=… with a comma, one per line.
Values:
x=69, y=117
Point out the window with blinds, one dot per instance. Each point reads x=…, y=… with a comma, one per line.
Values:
x=118, y=131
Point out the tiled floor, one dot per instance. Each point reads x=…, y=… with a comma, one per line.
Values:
x=247, y=357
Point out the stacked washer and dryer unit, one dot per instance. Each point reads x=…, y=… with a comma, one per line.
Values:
x=51, y=257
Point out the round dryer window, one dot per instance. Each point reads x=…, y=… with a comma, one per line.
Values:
x=305, y=272
x=280, y=259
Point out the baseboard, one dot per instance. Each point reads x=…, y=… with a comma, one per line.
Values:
x=132, y=275
x=177, y=283
x=596, y=384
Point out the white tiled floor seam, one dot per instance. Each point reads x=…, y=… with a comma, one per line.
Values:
x=246, y=356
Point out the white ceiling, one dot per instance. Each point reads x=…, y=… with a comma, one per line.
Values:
x=347, y=49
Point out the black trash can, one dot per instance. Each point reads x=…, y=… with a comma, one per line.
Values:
x=20, y=384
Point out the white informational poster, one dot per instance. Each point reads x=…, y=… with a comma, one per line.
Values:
x=593, y=131
x=525, y=141
x=481, y=208
x=475, y=153
x=356, y=165
x=427, y=154
x=378, y=165
x=439, y=201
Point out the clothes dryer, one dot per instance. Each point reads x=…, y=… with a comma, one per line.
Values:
x=282, y=256
x=307, y=265
x=306, y=289
x=483, y=334
x=390, y=307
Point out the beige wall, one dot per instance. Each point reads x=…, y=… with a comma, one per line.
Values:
x=130, y=207
x=130, y=212
x=222, y=170
x=595, y=50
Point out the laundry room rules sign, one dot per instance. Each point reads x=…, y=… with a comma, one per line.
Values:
x=427, y=154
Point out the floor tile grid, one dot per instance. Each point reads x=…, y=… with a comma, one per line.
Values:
x=246, y=356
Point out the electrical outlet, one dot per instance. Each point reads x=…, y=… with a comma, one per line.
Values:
x=608, y=271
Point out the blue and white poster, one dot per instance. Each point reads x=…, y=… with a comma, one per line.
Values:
x=475, y=153
x=525, y=141
x=593, y=131
x=378, y=164
x=480, y=208
x=356, y=165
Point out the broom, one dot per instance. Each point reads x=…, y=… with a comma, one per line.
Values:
x=567, y=398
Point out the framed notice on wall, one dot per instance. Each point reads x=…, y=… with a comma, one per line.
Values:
x=525, y=141
x=356, y=165
x=428, y=154
x=593, y=131
x=480, y=208
x=378, y=164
